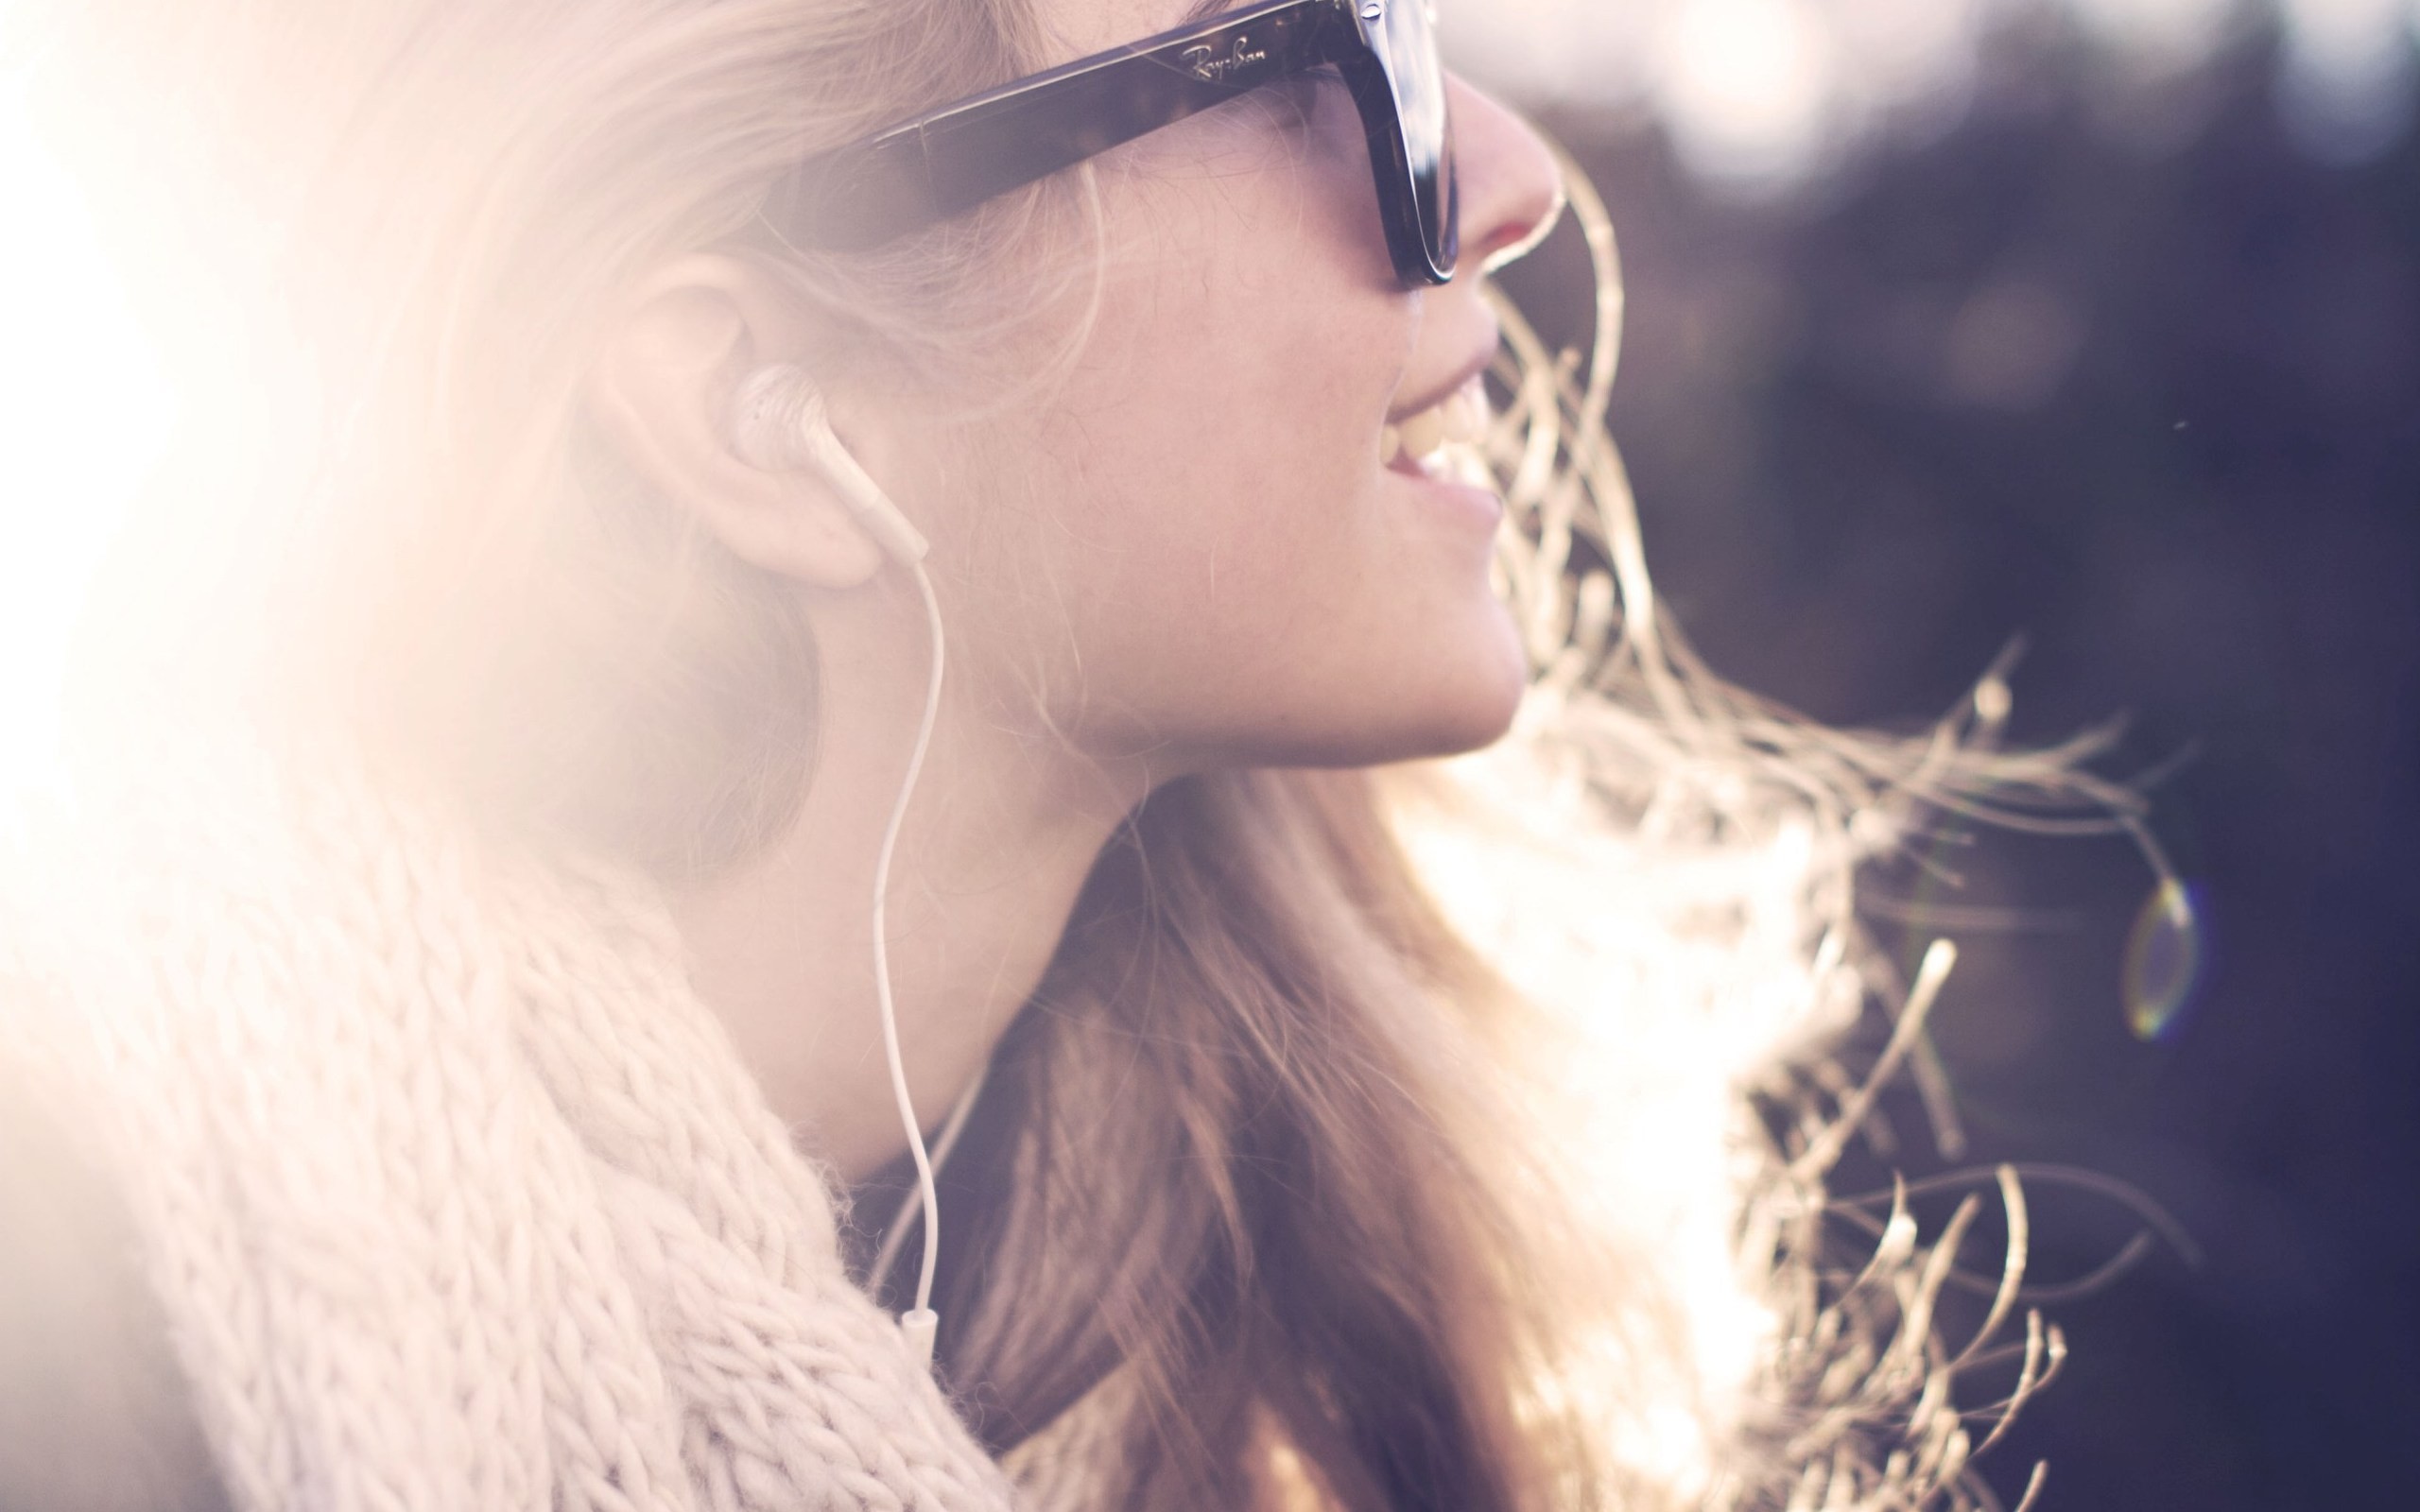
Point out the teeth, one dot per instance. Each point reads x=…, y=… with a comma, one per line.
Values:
x=1466, y=416
x=1425, y=432
x=1459, y=419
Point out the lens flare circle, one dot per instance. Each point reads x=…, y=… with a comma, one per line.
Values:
x=2164, y=961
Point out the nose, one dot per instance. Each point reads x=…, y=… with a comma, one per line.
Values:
x=1510, y=190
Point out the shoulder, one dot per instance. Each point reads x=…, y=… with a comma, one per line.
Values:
x=94, y=1416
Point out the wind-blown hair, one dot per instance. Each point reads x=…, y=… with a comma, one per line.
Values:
x=1450, y=1136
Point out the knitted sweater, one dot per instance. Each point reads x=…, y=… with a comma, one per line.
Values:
x=451, y=1192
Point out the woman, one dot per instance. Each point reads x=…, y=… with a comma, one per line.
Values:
x=458, y=964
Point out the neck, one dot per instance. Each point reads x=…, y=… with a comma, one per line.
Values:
x=995, y=846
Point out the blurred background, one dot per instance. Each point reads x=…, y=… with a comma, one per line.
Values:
x=2095, y=323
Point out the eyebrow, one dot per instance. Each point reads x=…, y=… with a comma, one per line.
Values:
x=1204, y=11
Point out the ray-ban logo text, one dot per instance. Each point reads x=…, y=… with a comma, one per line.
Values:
x=1207, y=63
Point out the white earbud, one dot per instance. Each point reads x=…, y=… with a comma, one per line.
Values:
x=778, y=422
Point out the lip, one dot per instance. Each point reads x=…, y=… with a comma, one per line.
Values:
x=1471, y=368
x=1482, y=507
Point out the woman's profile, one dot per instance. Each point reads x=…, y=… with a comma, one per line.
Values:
x=755, y=817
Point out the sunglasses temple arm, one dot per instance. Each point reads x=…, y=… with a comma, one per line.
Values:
x=949, y=163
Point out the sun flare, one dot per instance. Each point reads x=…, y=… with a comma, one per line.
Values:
x=86, y=408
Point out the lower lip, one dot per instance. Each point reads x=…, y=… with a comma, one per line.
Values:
x=1483, y=507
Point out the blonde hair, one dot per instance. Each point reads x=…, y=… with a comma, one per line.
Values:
x=1273, y=1132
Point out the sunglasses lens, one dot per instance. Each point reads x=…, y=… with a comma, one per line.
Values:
x=1419, y=80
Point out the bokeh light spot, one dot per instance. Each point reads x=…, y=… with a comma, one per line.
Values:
x=1747, y=87
x=2349, y=80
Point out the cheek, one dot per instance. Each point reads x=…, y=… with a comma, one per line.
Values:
x=1223, y=419
x=1226, y=567
x=1222, y=465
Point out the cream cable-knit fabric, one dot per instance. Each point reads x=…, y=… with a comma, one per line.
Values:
x=455, y=1194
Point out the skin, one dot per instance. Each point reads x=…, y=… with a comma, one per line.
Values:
x=1180, y=553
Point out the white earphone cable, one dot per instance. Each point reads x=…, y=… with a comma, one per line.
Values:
x=779, y=421
x=920, y=1323
x=895, y=1235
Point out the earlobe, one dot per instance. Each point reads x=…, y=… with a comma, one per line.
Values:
x=662, y=389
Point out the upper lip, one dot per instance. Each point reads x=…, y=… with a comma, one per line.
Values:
x=1470, y=368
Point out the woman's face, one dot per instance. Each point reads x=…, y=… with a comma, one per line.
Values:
x=1191, y=544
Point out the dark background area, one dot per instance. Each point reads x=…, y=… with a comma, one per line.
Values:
x=2152, y=400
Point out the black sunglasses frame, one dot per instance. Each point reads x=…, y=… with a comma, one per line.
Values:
x=940, y=164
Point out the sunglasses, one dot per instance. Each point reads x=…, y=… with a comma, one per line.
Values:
x=916, y=173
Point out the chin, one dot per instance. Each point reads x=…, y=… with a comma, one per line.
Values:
x=1478, y=720
x=1494, y=677
x=1457, y=710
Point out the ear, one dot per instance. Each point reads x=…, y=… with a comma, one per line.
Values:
x=667, y=365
